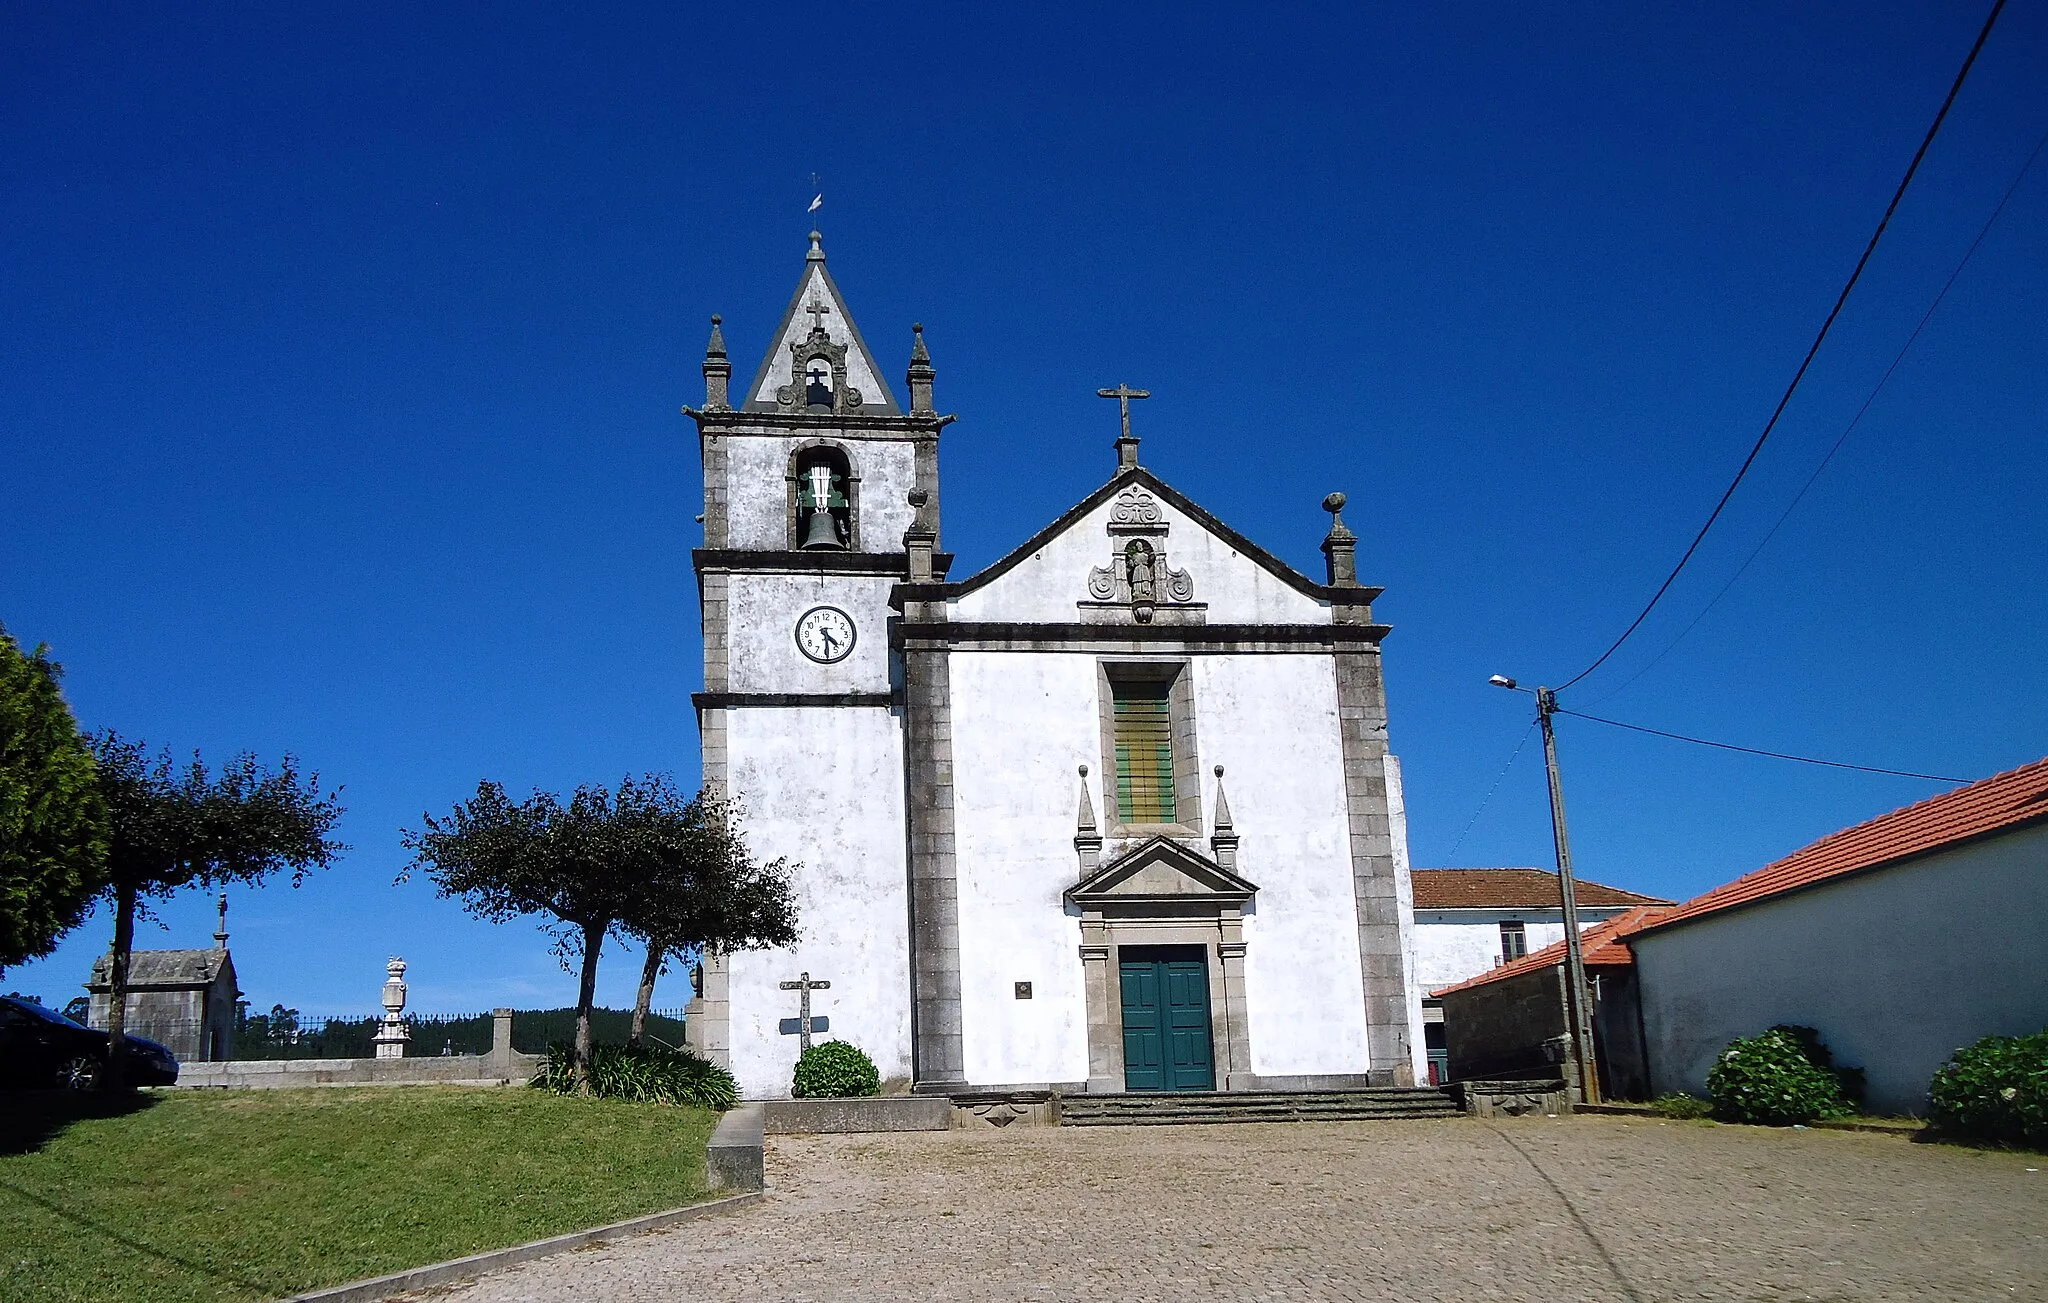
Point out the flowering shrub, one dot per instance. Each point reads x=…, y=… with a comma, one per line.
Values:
x=1995, y=1090
x=835, y=1070
x=1773, y=1080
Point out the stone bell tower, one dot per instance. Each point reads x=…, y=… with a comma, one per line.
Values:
x=821, y=492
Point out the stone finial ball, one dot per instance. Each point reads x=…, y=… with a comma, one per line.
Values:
x=1219, y=771
x=918, y=497
x=1084, y=771
x=1334, y=503
x=917, y=327
x=716, y=319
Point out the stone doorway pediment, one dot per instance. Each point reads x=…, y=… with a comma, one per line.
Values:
x=1157, y=871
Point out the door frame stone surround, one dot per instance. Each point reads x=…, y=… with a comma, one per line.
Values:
x=1160, y=893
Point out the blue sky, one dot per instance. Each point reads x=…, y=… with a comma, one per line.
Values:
x=342, y=356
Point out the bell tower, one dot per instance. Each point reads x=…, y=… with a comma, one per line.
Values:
x=813, y=477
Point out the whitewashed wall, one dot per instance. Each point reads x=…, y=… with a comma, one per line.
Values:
x=1022, y=723
x=762, y=611
x=1896, y=968
x=1047, y=585
x=1454, y=944
x=757, y=494
x=824, y=786
x=1271, y=722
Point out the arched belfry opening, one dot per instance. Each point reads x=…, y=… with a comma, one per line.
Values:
x=818, y=385
x=823, y=495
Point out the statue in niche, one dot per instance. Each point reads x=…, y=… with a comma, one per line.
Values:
x=1139, y=565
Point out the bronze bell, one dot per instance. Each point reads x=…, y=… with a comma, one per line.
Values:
x=820, y=530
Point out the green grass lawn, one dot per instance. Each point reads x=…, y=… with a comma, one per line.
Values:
x=262, y=1194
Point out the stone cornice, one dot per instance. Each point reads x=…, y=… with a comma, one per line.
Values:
x=822, y=561
x=958, y=635
x=732, y=422
x=728, y=700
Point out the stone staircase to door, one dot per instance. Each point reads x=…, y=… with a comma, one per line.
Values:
x=1148, y=1109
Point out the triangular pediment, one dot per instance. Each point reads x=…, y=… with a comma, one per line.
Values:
x=1197, y=569
x=1161, y=869
x=817, y=290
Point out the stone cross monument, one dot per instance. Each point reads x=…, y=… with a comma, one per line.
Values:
x=391, y=1038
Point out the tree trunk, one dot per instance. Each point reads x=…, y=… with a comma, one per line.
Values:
x=656, y=952
x=117, y=979
x=586, y=995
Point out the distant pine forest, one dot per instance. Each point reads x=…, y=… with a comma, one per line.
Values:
x=284, y=1034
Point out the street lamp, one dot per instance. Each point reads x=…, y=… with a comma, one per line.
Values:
x=1580, y=1011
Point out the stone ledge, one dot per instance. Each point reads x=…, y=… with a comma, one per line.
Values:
x=293, y=1074
x=803, y=1117
x=736, y=1157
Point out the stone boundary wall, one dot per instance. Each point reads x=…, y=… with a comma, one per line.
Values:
x=736, y=1158
x=803, y=1117
x=290, y=1074
x=1486, y=1099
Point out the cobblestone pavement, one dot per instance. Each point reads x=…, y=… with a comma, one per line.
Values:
x=1540, y=1209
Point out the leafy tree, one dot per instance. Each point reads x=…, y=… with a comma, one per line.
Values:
x=53, y=824
x=710, y=898
x=172, y=827
x=603, y=864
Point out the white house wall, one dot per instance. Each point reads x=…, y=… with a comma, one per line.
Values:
x=1896, y=968
x=1454, y=944
x=824, y=786
x=1022, y=723
x=1046, y=585
x=1303, y=987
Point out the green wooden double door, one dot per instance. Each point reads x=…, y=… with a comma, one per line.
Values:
x=1166, y=1018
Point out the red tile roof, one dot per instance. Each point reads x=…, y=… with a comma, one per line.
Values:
x=1510, y=889
x=2003, y=801
x=1600, y=943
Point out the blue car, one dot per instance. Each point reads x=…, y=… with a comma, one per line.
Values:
x=41, y=1049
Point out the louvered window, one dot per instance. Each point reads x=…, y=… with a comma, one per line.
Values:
x=1144, y=751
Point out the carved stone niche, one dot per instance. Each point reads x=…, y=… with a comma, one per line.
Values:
x=1139, y=585
x=817, y=358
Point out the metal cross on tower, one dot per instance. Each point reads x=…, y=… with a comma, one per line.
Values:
x=1123, y=395
x=803, y=986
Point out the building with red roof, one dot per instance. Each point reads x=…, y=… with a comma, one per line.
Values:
x=1473, y=921
x=1899, y=940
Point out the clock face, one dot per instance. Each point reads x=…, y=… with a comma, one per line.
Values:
x=825, y=634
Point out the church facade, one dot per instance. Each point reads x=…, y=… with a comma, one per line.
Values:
x=1116, y=813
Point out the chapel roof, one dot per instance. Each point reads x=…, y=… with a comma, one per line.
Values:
x=1511, y=889
x=163, y=968
x=817, y=289
x=1601, y=946
x=1993, y=805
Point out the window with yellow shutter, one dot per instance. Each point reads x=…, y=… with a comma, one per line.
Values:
x=1144, y=751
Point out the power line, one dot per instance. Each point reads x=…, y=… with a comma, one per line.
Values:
x=1799, y=375
x=1753, y=751
x=1883, y=380
x=1488, y=798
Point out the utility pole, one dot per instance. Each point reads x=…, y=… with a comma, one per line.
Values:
x=1580, y=1009
x=1578, y=1000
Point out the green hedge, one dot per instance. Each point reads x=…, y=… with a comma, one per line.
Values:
x=835, y=1070
x=1784, y=1077
x=1996, y=1090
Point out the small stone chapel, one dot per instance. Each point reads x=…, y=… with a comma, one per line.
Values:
x=1116, y=813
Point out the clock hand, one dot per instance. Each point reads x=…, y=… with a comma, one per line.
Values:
x=830, y=641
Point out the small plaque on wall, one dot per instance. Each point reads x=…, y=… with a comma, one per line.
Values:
x=1023, y=990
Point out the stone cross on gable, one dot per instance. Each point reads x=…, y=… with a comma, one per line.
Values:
x=803, y=1024
x=818, y=313
x=1123, y=395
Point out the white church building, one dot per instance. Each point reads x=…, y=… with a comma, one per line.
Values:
x=1007, y=791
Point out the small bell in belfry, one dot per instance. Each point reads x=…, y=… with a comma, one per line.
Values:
x=821, y=499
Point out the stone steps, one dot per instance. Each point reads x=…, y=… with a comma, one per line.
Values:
x=1387, y=1103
